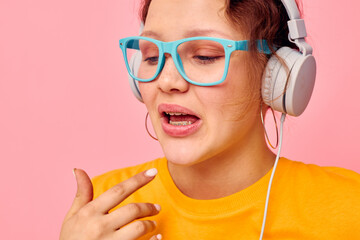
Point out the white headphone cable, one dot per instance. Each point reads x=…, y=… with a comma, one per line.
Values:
x=272, y=174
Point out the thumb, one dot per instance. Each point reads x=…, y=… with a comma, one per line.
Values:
x=84, y=193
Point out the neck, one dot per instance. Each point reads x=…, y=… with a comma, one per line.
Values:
x=227, y=172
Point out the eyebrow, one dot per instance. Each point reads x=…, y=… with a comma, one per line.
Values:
x=150, y=34
x=191, y=33
x=205, y=32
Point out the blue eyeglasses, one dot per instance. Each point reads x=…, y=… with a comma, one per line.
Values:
x=202, y=61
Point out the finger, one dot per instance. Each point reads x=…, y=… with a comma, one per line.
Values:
x=156, y=237
x=84, y=193
x=119, y=192
x=135, y=230
x=129, y=213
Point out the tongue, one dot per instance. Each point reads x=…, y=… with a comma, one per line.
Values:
x=180, y=118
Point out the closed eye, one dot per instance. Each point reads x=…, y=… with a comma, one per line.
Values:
x=206, y=59
x=152, y=60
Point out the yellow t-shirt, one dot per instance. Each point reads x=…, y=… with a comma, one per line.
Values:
x=306, y=202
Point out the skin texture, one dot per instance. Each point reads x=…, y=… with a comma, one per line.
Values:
x=228, y=153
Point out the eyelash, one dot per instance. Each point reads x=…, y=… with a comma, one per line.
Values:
x=201, y=59
x=151, y=60
x=207, y=60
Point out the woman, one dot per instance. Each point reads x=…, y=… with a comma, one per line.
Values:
x=213, y=181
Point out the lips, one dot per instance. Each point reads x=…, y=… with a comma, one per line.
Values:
x=178, y=121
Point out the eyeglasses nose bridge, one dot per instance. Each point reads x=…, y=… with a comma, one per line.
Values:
x=170, y=48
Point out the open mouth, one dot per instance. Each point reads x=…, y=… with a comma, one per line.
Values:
x=180, y=119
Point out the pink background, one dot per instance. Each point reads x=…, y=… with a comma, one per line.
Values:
x=65, y=102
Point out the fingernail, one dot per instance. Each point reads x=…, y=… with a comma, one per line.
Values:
x=151, y=172
x=157, y=206
x=74, y=172
x=159, y=236
x=155, y=223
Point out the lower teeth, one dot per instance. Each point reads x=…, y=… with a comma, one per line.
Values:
x=182, y=123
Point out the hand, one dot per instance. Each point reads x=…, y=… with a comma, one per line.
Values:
x=89, y=219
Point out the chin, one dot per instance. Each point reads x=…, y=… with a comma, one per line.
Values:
x=181, y=154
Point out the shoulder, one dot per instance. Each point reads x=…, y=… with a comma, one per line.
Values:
x=320, y=197
x=327, y=190
x=103, y=182
x=312, y=178
x=314, y=173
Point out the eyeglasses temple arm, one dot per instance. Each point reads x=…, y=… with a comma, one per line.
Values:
x=261, y=45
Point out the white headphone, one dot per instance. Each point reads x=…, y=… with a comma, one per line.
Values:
x=285, y=93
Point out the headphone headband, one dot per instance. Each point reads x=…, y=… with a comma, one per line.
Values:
x=296, y=25
x=291, y=9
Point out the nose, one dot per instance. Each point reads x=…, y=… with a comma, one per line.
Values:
x=169, y=79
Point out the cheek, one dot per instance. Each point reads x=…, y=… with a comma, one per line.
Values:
x=240, y=94
x=147, y=93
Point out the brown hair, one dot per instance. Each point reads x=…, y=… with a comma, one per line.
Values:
x=257, y=19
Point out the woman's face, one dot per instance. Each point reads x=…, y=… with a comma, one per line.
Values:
x=224, y=122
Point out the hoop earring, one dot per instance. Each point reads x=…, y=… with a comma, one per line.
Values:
x=266, y=135
x=146, y=118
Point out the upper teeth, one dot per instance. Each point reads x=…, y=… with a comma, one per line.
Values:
x=175, y=113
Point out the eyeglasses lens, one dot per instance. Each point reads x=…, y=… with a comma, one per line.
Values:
x=148, y=53
x=202, y=61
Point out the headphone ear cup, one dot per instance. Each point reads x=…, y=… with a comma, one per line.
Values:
x=292, y=97
x=134, y=65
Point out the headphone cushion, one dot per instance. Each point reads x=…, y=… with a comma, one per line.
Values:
x=267, y=83
x=272, y=84
x=134, y=65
